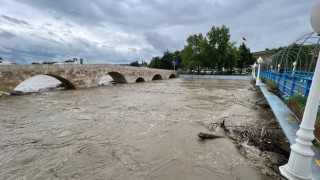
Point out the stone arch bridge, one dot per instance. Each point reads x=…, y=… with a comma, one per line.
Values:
x=78, y=76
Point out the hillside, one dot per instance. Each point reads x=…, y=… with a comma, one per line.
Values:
x=264, y=54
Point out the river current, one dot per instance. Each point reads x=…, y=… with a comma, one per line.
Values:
x=127, y=131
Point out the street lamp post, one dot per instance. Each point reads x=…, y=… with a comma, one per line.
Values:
x=271, y=68
x=299, y=164
x=294, y=67
x=259, y=61
x=279, y=68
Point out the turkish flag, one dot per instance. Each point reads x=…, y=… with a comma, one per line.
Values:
x=244, y=39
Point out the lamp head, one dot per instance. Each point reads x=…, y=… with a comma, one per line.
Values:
x=294, y=63
x=315, y=18
x=279, y=65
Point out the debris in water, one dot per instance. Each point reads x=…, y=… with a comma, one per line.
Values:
x=208, y=136
x=259, y=143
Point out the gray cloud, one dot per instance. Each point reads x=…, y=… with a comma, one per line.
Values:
x=5, y=34
x=119, y=31
x=14, y=20
x=160, y=42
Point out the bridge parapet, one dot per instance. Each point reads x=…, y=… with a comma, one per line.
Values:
x=77, y=76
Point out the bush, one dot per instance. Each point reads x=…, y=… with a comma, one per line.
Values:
x=263, y=79
x=272, y=85
x=136, y=63
x=299, y=101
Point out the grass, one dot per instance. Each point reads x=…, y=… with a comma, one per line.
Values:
x=263, y=79
x=297, y=104
x=318, y=120
x=272, y=85
x=299, y=101
x=317, y=144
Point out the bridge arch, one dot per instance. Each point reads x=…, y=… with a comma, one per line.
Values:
x=172, y=76
x=64, y=81
x=34, y=83
x=140, y=79
x=118, y=77
x=157, y=77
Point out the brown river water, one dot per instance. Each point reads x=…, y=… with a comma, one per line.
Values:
x=127, y=131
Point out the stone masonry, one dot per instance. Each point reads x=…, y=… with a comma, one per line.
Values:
x=78, y=76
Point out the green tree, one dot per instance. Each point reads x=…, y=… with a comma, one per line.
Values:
x=194, y=53
x=144, y=64
x=155, y=62
x=219, y=44
x=51, y=62
x=135, y=63
x=186, y=55
x=166, y=60
x=177, y=57
x=232, y=56
x=246, y=57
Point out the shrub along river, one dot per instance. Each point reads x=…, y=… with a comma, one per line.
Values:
x=131, y=131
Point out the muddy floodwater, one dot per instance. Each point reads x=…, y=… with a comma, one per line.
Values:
x=127, y=131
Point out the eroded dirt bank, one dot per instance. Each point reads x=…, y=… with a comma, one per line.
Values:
x=131, y=131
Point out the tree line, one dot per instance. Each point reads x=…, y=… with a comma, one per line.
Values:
x=213, y=52
x=137, y=64
x=66, y=61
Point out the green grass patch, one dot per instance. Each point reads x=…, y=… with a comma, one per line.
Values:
x=318, y=119
x=300, y=104
x=317, y=144
x=263, y=79
x=272, y=85
x=299, y=101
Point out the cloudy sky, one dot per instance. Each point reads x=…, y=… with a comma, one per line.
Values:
x=122, y=31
